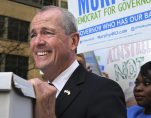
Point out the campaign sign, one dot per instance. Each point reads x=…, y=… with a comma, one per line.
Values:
x=106, y=23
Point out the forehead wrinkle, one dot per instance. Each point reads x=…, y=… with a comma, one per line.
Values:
x=36, y=23
x=45, y=17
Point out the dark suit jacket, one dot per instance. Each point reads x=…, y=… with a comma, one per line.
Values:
x=90, y=96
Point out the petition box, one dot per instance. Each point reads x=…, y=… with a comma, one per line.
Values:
x=16, y=96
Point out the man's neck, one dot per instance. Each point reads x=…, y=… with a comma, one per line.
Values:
x=51, y=74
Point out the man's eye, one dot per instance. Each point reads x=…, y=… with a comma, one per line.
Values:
x=32, y=35
x=48, y=33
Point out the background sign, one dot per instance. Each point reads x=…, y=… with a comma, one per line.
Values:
x=122, y=62
x=106, y=23
x=119, y=34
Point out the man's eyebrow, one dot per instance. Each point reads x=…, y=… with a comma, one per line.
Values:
x=47, y=28
x=31, y=31
x=43, y=28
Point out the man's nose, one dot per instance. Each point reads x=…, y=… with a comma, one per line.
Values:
x=40, y=40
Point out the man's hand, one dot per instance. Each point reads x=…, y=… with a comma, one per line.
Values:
x=45, y=99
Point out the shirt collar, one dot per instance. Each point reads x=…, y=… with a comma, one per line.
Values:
x=61, y=80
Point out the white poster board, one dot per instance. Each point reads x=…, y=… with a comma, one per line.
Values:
x=106, y=23
x=16, y=96
x=122, y=62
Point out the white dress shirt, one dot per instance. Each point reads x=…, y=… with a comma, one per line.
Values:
x=61, y=80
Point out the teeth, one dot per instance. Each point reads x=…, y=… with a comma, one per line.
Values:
x=42, y=53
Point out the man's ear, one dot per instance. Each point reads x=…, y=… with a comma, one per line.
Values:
x=74, y=40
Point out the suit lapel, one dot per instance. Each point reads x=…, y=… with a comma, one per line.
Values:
x=70, y=91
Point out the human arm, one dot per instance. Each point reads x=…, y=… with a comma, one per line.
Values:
x=45, y=99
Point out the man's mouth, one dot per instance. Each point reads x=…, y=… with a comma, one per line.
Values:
x=42, y=53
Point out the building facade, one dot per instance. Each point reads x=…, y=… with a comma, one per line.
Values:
x=15, y=17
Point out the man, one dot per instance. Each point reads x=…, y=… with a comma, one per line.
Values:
x=76, y=93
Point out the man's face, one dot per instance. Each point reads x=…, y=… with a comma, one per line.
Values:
x=142, y=90
x=49, y=44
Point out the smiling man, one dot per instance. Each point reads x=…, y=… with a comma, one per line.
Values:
x=76, y=93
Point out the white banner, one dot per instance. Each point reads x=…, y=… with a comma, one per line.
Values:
x=106, y=23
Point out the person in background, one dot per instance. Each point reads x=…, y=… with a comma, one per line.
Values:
x=129, y=95
x=80, y=58
x=142, y=93
x=105, y=74
x=72, y=92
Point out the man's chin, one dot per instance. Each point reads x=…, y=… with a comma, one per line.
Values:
x=40, y=66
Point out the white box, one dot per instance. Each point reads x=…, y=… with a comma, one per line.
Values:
x=16, y=96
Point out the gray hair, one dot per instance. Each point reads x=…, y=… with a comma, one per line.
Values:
x=68, y=21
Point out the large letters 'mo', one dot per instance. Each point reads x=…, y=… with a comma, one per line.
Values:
x=85, y=6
